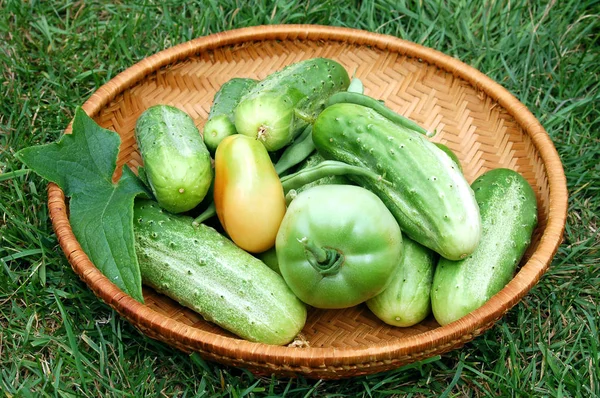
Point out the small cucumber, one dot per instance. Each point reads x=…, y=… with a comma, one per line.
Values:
x=204, y=271
x=509, y=215
x=221, y=122
x=406, y=301
x=279, y=107
x=176, y=162
x=429, y=196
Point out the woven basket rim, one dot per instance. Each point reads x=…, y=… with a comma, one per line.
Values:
x=305, y=358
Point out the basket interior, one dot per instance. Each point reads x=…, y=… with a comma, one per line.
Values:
x=482, y=134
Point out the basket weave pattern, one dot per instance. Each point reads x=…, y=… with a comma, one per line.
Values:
x=479, y=120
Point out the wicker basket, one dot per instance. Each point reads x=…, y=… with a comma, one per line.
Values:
x=477, y=118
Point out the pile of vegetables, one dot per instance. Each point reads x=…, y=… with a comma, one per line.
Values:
x=319, y=196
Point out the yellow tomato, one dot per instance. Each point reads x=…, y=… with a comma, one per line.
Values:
x=248, y=194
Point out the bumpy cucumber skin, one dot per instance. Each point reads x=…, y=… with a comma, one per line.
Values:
x=450, y=153
x=509, y=215
x=221, y=121
x=206, y=272
x=176, y=161
x=406, y=301
x=270, y=110
x=429, y=196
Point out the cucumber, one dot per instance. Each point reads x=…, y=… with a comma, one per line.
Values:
x=428, y=195
x=279, y=107
x=406, y=301
x=204, y=271
x=450, y=153
x=177, y=164
x=509, y=215
x=221, y=122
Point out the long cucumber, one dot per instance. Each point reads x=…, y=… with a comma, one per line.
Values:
x=509, y=215
x=429, y=196
x=204, y=271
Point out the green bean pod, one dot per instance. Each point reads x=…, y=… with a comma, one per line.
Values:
x=327, y=168
x=299, y=150
x=364, y=100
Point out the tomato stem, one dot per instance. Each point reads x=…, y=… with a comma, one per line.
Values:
x=326, y=260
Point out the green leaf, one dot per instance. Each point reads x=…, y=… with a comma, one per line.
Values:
x=101, y=212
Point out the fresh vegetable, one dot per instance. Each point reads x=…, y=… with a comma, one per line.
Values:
x=327, y=168
x=100, y=208
x=303, y=146
x=509, y=215
x=406, y=301
x=428, y=195
x=206, y=272
x=450, y=153
x=299, y=150
x=356, y=86
x=176, y=161
x=313, y=160
x=221, y=122
x=364, y=100
x=269, y=257
x=248, y=194
x=278, y=108
x=338, y=246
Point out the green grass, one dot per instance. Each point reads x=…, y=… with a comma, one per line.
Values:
x=58, y=339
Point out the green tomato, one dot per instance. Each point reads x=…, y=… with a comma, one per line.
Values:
x=338, y=246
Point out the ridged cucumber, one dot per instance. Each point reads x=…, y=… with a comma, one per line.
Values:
x=406, y=301
x=176, y=162
x=509, y=215
x=429, y=196
x=206, y=272
x=221, y=121
x=279, y=107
